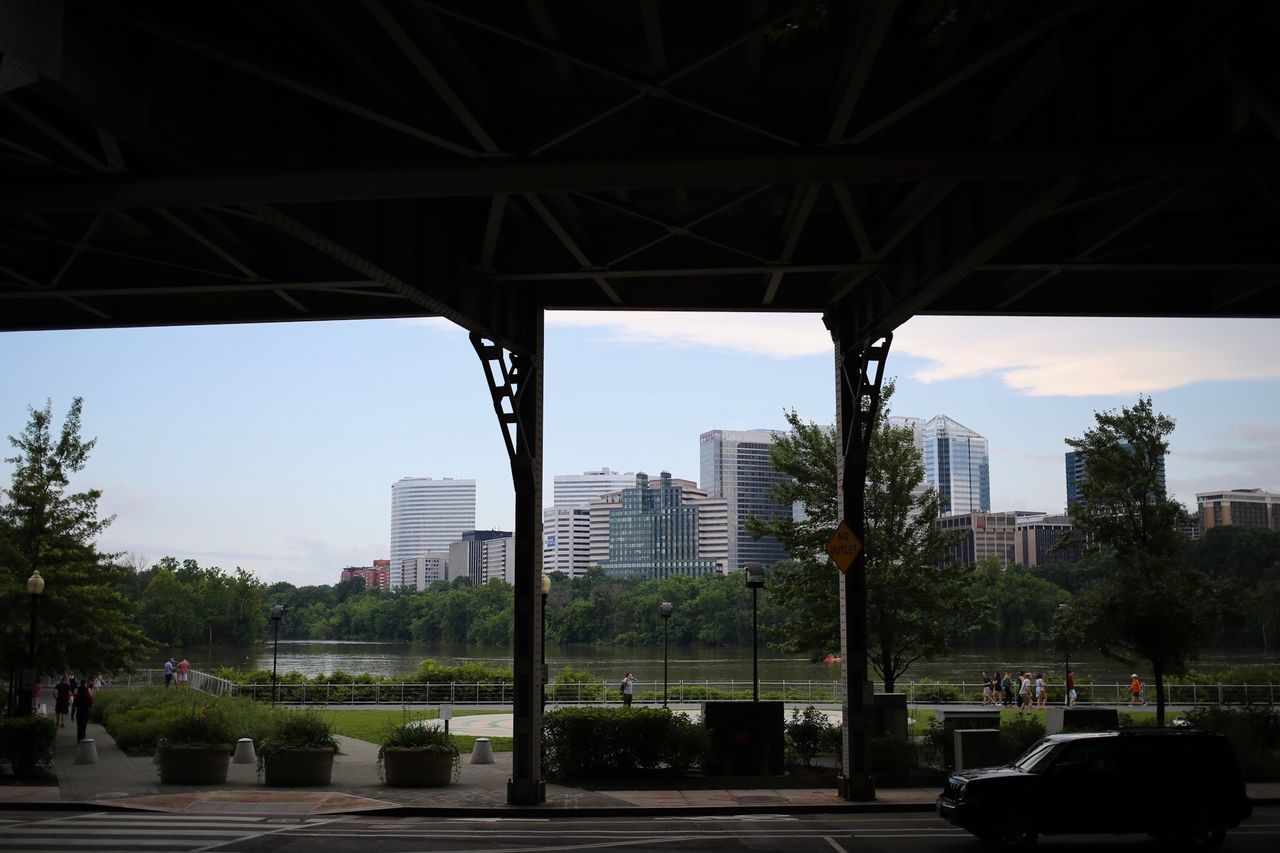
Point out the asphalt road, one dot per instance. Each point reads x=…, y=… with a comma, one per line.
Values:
x=88, y=831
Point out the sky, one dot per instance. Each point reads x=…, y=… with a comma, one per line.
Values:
x=273, y=447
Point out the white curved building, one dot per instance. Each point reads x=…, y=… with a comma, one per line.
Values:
x=426, y=516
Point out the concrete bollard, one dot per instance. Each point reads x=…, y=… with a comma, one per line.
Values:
x=86, y=752
x=482, y=752
x=244, y=753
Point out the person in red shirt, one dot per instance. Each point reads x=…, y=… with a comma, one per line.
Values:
x=1135, y=690
x=1071, y=688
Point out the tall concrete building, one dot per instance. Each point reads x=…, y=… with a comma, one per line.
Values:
x=1241, y=507
x=582, y=489
x=1043, y=538
x=426, y=516
x=421, y=572
x=468, y=556
x=735, y=466
x=566, y=540
x=987, y=534
x=956, y=463
x=1077, y=470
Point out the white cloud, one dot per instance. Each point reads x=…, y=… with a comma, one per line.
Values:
x=1034, y=356
x=777, y=335
x=1076, y=357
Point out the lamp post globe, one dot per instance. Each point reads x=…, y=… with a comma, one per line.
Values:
x=664, y=610
x=755, y=580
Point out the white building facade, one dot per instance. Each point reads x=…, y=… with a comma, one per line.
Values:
x=427, y=515
x=582, y=489
x=422, y=572
x=566, y=540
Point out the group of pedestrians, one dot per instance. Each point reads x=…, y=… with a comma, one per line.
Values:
x=1024, y=690
x=180, y=671
x=74, y=699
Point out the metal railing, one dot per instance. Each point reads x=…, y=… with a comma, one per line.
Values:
x=684, y=692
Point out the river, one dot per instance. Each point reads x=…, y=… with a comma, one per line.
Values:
x=609, y=663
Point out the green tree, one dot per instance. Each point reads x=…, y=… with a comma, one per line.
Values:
x=85, y=621
x=1013, y=606
x=1150, y=605
x=917, y=600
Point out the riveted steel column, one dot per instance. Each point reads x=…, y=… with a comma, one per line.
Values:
x=857, y=404
x=515, y=384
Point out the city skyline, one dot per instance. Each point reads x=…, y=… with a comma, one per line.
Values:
x=272, y=447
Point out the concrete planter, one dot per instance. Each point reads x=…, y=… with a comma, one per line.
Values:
x=193, y=765
x=417, y=768
x=297, y=768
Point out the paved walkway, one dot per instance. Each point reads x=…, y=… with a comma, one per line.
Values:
x=121, y=781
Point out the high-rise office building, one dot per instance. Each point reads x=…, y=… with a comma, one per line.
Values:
x=654, y=533
x=1077, y=469
x=1044, y=538
x=426, y=516
x=469, y=556
x=430, y=568
x=582, y=489
x=1240, y=507
x=735, y=466
x=986, y=534
x=713, y=522
x=566, y=540
x=957, y=464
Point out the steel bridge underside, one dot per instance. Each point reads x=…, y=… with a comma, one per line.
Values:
x=171, y=164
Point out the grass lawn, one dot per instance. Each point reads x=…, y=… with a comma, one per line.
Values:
x=370, y=724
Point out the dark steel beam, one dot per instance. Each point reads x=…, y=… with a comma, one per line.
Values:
x=515, y=385
x=689, y=272
x=538, y=175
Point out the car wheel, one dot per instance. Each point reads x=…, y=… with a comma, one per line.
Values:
x=1013, y=831
x=1204, y=834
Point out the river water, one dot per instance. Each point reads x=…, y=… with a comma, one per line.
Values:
x=610, y=663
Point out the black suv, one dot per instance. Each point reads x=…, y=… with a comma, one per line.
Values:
x=1176, y=784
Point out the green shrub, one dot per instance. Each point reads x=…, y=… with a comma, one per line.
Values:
x=932, y=692
x=1017, y=736
x=417, y=734
x=27, y=742
x=893, y=755
x=804, y=733
x=604, y=742
x=301, y=729
x=1254, y=735
x=571, y=684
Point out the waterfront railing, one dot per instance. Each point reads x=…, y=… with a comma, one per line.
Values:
x=923, y=692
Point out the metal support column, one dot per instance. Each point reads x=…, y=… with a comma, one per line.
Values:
x=515, y=384
x=859, y=371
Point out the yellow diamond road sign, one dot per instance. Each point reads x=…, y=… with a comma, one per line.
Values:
x=844, y=546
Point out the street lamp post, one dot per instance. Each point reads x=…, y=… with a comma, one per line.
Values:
x=664, y=610
x=26, y=698
x=277, y=614
x=546, y=590
x=755, y=580
x=1063, y=610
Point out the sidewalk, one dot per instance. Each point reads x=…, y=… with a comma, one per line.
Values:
x=121, y=781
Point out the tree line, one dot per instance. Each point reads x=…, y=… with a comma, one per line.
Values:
x=1141, y=578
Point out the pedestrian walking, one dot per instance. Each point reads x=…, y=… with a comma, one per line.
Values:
x=183, y=670
x=82, y=703
x=1071, y=688
x=1135, y=690
x=62, y=701
x=168, y=672
x=628, y=687
x=1042, y=693
x=986, y=688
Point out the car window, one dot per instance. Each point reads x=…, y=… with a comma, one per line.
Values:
x=1038, y=758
